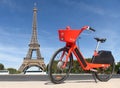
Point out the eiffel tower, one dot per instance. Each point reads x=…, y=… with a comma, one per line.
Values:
x=33, y=47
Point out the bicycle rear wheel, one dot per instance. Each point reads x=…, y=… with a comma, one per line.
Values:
x=56, y=73
x=104, y=74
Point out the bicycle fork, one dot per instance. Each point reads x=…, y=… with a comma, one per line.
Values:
x=67, y=57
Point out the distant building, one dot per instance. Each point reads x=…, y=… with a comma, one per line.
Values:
x=4, y=72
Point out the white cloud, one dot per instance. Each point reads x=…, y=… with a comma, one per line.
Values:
x=93, y=9
x=47, y=53
x=96, y=9
x=112, y=42
x=101, y=10
x=8, y=3
x=12, y=56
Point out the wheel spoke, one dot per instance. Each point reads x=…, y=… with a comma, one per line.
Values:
x=56, y=72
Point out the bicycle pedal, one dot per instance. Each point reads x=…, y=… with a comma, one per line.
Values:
x=93, y=70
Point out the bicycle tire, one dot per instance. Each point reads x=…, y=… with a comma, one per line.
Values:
x=56, y=74
x=104, y=75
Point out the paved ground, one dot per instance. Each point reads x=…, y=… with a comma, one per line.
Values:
x=46, y=78
x=113, y=83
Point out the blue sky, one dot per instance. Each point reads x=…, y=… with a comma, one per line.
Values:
x=16, y=26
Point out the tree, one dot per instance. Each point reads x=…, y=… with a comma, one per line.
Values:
x=1, y=66
x=13, y=71
x=117, y=67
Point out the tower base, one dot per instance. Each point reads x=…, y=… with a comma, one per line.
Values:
x=27, y=63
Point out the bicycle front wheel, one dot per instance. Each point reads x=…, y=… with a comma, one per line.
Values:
x=56, y=73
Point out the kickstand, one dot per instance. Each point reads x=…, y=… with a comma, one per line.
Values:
x=93, y=74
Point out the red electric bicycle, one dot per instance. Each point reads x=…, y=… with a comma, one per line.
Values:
x=102, y=63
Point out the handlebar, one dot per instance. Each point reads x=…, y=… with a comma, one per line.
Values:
x=88, y=28
x=92, y=29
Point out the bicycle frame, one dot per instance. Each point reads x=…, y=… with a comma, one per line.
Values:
x=61, y=62
x=84, y=64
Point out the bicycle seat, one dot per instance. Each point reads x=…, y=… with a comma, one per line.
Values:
x=102, y=40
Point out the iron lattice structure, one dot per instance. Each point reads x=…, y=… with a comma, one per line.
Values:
x=34, y=46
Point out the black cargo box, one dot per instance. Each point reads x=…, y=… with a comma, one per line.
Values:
x=104, y=57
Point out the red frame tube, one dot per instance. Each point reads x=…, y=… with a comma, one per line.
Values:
x=80, y=58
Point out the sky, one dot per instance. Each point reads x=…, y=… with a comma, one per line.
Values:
x=16, y=18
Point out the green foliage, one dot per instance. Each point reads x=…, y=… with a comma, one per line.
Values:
x=1, y=66
x=77, y=68
x=13, y=71
x=117, y=67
